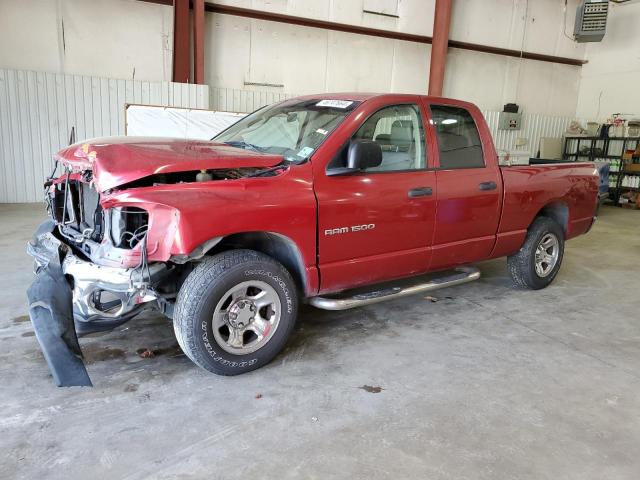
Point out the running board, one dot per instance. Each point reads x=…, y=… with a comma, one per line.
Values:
x=461, y=275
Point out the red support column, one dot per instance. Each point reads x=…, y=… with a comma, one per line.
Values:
x=441, y=22
x=181, y=64
x=198, y=41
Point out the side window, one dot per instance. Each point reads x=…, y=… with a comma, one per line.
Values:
x=399, y=132
x=458, y=137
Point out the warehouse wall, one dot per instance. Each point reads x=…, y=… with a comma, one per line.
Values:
x=242, y=51
x=610, y=82
x=132, y=39
x=124, y=39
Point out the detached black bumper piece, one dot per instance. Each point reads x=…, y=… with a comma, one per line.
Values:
x=51, y=312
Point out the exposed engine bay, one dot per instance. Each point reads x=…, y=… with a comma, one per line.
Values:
x=74, y=204
x=191, y=177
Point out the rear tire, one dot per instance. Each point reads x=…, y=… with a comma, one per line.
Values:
x=538, y=261
x=235, y=312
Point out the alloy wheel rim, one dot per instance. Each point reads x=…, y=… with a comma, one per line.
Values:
x=246, y=317
x=547, y=253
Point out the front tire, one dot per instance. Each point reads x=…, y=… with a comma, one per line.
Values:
x=538, y=261
x=235, y=312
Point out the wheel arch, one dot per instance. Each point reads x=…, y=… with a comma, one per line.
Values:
x=558, y=212
x=275, y=245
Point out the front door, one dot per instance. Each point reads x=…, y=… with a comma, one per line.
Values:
x=377, y=224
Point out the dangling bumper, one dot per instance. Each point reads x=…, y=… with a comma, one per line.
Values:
x=65, y=299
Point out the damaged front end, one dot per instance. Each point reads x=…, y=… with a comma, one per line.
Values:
x=112, y=246
x=92, y=274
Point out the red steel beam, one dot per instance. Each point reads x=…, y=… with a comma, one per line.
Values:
x=198, y=41
x=439, y=46
x=181, y=63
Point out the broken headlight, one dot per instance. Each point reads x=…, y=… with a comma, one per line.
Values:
x=128, y=226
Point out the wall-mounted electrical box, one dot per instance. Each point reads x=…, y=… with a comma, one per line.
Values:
x=509, y=121
x=591, y=21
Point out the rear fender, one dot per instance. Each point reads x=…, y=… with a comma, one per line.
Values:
x=558, y=212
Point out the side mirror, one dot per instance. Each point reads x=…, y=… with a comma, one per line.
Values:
x=361, y=154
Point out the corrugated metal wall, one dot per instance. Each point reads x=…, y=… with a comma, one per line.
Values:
x=37, y=111
x=533, y=128
x=243, y=101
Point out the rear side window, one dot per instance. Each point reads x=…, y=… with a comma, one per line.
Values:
x=458, y=137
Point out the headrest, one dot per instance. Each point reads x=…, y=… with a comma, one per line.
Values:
x=401, y=132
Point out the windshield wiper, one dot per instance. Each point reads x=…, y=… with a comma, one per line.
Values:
x=268, y=170
x=245, y=145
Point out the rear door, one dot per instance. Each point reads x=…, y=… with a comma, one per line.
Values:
x=377, y=224
x=468, y=186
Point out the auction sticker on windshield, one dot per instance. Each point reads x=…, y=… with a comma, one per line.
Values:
x=334, y=103
x=305, y=152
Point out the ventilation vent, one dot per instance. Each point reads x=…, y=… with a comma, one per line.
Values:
x=595, y=17
x=591, y=21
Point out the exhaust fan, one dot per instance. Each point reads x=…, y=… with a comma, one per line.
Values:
x=591, y=21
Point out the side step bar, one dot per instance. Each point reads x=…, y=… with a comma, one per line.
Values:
x=461, y=275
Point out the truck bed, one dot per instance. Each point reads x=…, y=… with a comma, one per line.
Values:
x=562, y=186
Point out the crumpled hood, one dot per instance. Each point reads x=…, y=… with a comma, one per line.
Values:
x=115, y=161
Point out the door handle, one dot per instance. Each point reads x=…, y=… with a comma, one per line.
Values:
x=488, y=186
x=420, y=192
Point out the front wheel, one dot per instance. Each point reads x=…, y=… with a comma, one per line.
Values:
x=538, y=261
x=235, y=312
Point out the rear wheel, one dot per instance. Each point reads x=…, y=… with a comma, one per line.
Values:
x=235, y=312
x=538, y=261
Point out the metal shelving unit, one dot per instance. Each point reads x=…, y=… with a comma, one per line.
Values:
x=609, y=150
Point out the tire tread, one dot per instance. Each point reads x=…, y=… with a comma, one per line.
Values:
x=519, y=264
x=190, y=299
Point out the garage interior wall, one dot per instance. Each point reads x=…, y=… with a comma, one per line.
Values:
x=125, y=39
x=241, y=51
x=131, y=39
x=610, y=82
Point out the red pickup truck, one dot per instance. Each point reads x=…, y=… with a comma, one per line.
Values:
x=312, y=199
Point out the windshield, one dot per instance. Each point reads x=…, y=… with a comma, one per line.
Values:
x=293, y=128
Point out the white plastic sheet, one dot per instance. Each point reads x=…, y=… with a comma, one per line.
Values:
x=154, y=121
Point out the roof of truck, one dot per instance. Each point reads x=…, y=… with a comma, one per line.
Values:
x=361, y=97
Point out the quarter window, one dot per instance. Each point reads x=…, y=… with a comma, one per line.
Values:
x=458, y=137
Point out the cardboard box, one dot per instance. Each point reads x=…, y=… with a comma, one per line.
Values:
x=632, y=167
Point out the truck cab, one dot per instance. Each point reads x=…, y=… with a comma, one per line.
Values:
x=432, y=203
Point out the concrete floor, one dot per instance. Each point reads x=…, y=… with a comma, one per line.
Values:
x=486, y=383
